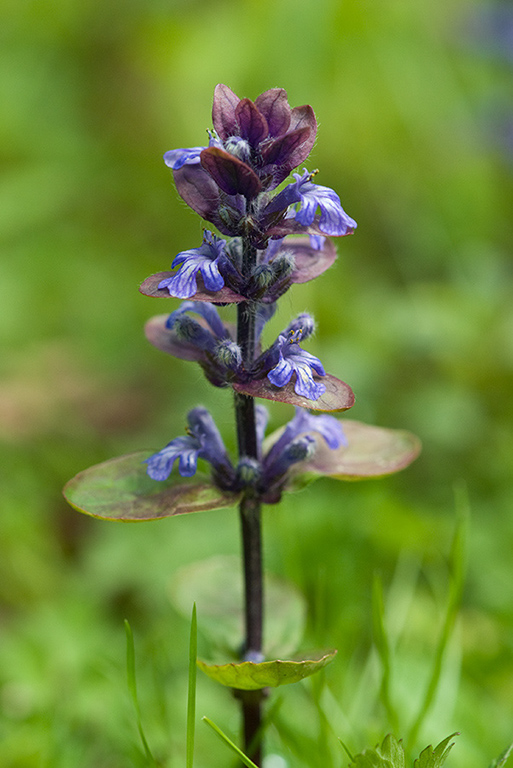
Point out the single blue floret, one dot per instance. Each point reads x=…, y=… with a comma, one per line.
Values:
x=306, y=198
x=205, y=260
x=297, y=444
x=186, y=449
x=293, y=359
x=203, y=441
x=177, y=158
x=333, y=220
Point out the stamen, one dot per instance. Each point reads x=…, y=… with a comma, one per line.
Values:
x=295, y=336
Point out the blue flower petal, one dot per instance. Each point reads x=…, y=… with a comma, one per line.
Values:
x=281, y=374
x=177, y=158
x=184, y=448
x=206, y=259
x=293, y=359
x=212, y=278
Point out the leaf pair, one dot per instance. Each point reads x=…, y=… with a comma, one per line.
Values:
x=119, y=489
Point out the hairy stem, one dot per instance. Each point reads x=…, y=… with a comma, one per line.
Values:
x=250, y=524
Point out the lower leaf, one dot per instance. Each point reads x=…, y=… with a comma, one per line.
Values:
x=120, y=489
x=251, y=676
x=370, y=452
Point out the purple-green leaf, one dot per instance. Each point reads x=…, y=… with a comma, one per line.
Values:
x=251, y=676
x=225, y=296
x=252, y=123
x=309, y=262
x=370, y=452
x=274, y=106
x=166, y=340
x=120, y=489
x=338, y=396
x=232, y=175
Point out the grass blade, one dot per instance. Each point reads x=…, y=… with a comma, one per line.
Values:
x=191, y=695
x=502, y=758
x=229, y=743
x=346, y=750
x=457, y=565
x=383, y=647
x=132, y=687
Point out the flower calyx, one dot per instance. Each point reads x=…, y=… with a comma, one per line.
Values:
x=205, y=340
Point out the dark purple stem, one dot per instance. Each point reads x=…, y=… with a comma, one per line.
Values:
x=249, y=510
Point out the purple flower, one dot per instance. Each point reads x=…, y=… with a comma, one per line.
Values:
x=209, y=342
x=267, y=134
x=207, y=311
x=304, y=422
x=292, y=359
x=261, y=419
x=206, y=259
x=254, y=146
x=188, y=330
x=176, y=158
x=317, y=242
x=285, y=357
x=307, y=198
x=295, y=444
x=203, y=441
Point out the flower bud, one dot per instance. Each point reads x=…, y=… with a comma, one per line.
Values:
x=263, y=276
x=234, y=251
x=238, y=147
x=230, y=218
x=186, y=328
x=228, y=354
x=283, y=265
x=300, y=449
x=248, y=471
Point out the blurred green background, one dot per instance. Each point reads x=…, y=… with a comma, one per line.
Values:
x=417, y=315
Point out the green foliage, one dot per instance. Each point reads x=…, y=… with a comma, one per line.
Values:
x=502, y=759
x=215, y=585
x=191, y=691
x=120, y=489
x=457, y=563
x=249, y=676
x=390, y=754
x=383, y=645
x=435, y=758
x=132, y=687
x=229, y=743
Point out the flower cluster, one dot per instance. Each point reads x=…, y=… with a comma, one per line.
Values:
x=209, y=342
x=253, y=147
x=268, y=474
x=269, y=240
